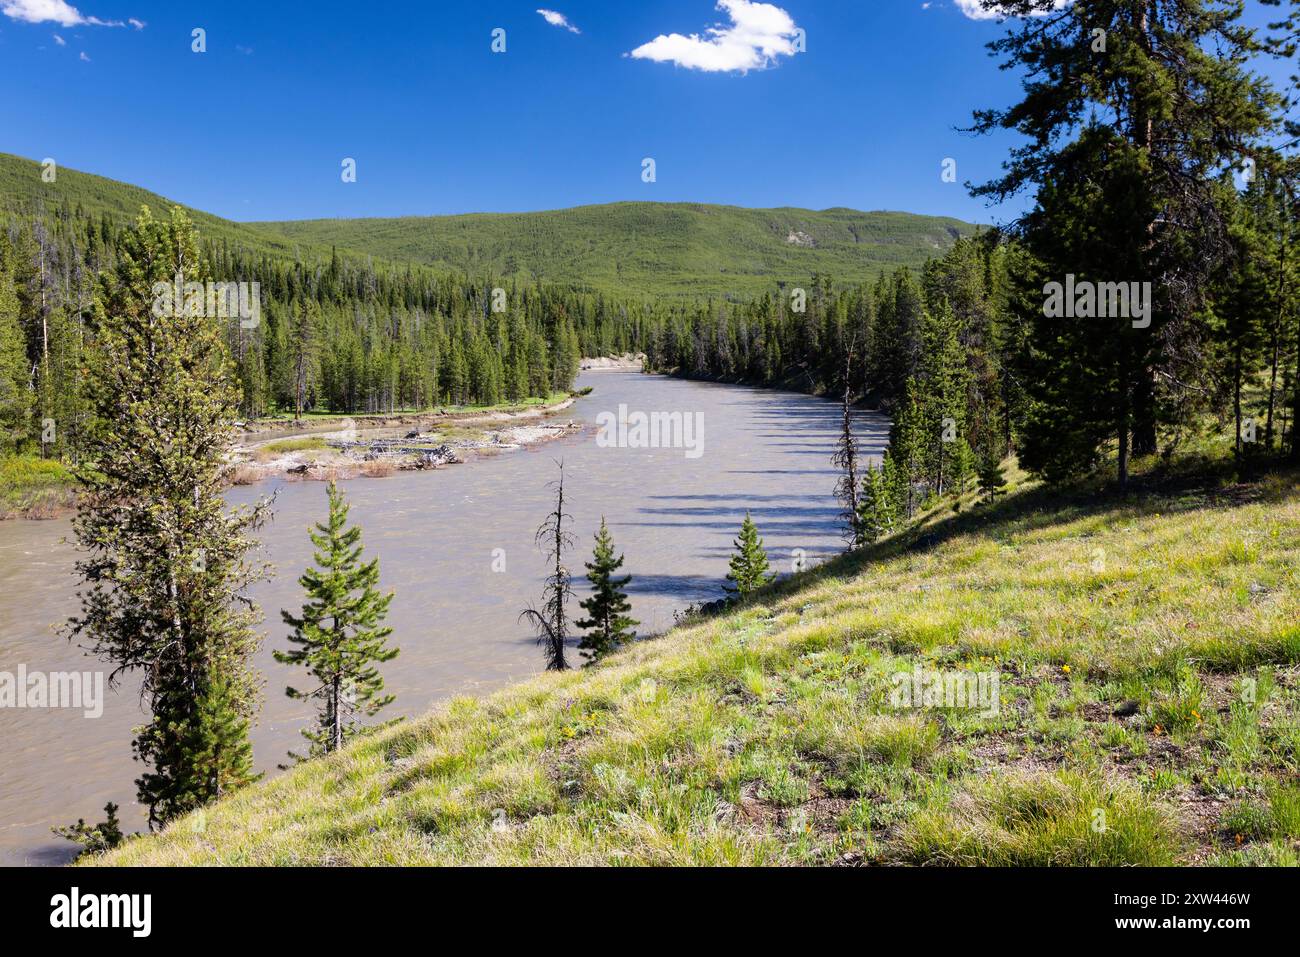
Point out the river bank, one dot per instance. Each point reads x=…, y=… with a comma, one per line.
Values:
x=322, y=448
x=458, y=551
x=34, y=487
x=376, y=447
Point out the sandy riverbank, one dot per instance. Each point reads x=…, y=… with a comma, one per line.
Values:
x=375, y=447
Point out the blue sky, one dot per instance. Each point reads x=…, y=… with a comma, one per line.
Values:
x=257, y=126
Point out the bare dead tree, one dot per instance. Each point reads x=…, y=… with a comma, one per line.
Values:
x=551, y=622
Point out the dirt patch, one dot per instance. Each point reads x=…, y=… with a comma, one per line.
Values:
x=629, y=362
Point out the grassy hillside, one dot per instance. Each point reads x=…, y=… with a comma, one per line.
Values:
x=1147, y=651
x=665, y=249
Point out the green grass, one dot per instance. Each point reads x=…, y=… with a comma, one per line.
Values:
x=1046, y=819
x=623, y=249
x=284, y=446
x=33, y=486
x=768, y=735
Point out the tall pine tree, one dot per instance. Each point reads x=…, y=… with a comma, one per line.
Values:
x=1131, y=108
x=164, y=563
x=340, y=636
x=15, y=396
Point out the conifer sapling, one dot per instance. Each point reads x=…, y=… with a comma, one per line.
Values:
x=749, y=567
x=339, y=636
x=607, y=623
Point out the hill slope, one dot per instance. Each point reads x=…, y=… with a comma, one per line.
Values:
x=1146, y=652
x=652, y=249
x=22, y=189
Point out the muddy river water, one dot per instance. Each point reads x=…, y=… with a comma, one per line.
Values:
x=456, y=545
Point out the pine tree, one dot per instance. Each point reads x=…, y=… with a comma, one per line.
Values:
x=1241, y=317
x=877, y=510
x=749, y=566
x=992, y=478
x=607, y=623
x=908, y=448
x=895, y=486
x=845, y=459
x=963, y=466
x=339, y=635
x=95, y=839
x=943, y=375
x=551, y=621
x=15, y=397
x=164, y=563
x=305, y=318
x=1125, y=193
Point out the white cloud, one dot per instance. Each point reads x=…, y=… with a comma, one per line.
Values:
x=138, y=24
x=757, y=35
x=975, y=9
x=84, y=58
x=60, y=41
x=51, y=11
x=557, y=19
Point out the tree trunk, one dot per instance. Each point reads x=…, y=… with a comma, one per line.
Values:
x=1236, y=402
x=1122, y=432
x=1144, y=415
x=1142, y=411
x=336, y=705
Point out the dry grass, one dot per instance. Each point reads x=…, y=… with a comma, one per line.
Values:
x=245, y=474
x=377, y=468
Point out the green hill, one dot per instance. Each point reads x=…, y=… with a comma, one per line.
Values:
x=659, y=249
x=1146, y=651
x=675, y=249
x=22, y=190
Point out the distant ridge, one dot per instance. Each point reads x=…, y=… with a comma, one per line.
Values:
x=687, y=250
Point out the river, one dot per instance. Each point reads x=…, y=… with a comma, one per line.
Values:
x=442, y=539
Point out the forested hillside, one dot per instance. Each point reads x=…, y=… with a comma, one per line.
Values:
x=682, y=250
x=25, y=187
x=635, y=250
x=334, y=331
x=380, y=315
